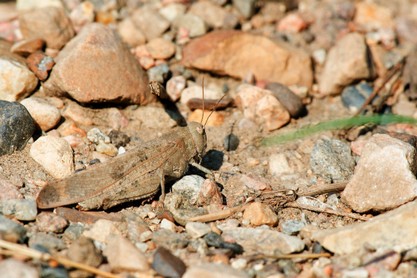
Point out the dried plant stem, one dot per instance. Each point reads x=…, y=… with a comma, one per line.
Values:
x=218, y=215
x=293, y=256
x=14, y=248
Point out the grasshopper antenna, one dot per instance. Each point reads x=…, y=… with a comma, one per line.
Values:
x=202, y=93
x=212, y=110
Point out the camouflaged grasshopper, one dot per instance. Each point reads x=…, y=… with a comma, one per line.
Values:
x=137, y=174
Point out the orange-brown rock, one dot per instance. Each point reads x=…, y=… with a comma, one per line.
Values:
x=240, y=54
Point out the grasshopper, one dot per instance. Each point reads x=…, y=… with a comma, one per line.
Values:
x=134, y=175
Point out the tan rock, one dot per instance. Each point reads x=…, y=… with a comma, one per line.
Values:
x=54, y=154
x=213, y=270
x=16, y=80
x=130, y=34
x=122, y=255
x=216, y=118
x=373, y=16
x=392, y=230
x=48, y=23
x=346, y=62
x=239, y=54
x=160, y=48
x=26, y=47
x=97, y=67
x=260, y=214
x=45, y=115
x=150, y=22
x=384, y=177
x=102, y=231
x=211, y=13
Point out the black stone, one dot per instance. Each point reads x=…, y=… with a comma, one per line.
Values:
x=215, y=240
x=16, y=127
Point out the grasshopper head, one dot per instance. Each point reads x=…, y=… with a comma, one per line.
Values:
x=199, y=137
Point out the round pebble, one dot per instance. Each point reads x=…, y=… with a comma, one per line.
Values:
x=160, y=48
x=231, y=142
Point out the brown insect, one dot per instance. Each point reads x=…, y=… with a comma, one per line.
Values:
x=134, y=175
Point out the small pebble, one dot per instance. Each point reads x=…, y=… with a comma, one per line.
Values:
x=16, y=127
x=45, y=115
x=21, y=209
x=56, y=272
x=215, y=240
x=84, y=251
x=197, y=229
x=188, y=187
x=175, y=86
x=158, y=73
x=26, y=47
x=160, y=48
x=118, y=138
x=46, y=242
x=231, y=142
x=278, y=165
x=260, y=214
x=353, y=97
x=95, y=135
x=166, y=264
x=214, y=270
x=288, y=99
x=168, y=225
x=50, y=222
x=193, y=24
x=292, y=227
x=11, y=231
x=40, y=64
x=13, y=268
x=101, y=229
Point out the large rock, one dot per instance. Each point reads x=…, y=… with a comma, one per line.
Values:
x=49, y=23
x=97, y=67
x=384, y=177
x=393, y=230
x=347, y=62
x=240, y=54
x=16, y=80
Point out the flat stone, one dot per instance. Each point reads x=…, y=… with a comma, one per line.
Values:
x=16, y=80
x=288, y=99
x=193, y=25
x=11, y=231
x=54, y=154
x=213, y=15
x=384, y=177
x=262, y=107
x=90, y=67
x=160, y=48
x=346, y=62
x=331, y=159
x=150, y=22
x=197, y=229
x=16, y=127
x=46, y=115
x=393, y=230
x=260, y=214
x=21, y=209
x=214, y=270
x=265, y=241
x=122, y=255
x=50, y=222
x=232, y=53
x=13, y=268
x=48, y=23
x=166, y=264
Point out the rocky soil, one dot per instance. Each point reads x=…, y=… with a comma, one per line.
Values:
x=89, y=91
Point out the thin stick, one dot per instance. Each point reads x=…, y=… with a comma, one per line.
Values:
x=35, y=254
x=328, y=210
x=202, y=93
x=323, y=189
x=293, y=256
x=217, y=215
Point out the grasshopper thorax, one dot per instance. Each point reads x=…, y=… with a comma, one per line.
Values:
x=199, y=137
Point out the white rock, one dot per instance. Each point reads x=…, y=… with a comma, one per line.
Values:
x=175, y=86
x=45, y=115
x=213, y=270
x=188, y=187
x=197, y=229
x=101, y=230
x=172, y=11
x=168, y=225
x=278, y=165
x=23, y=5
x=54, y=154
x=122, y=255
x=13, y=268
x=195, y=91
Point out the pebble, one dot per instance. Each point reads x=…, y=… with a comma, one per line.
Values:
x=46, y=242
x=46, y=115
x=168, y=225
x=158, y=73
x=278, y=165
x=215, y=240
x=150, y=22
x=84, y=251
x=292, y=227
x=192, y=24
x=48, y=23
x=288, y=99
x=261, y=106
x=26, y=47
x=216, y=118
x=209, y=194
x=73, y=231
x=50, y=222
x=188, y=187
x=102, y=229
x=260, y=214
x=54, y=154
x=231, y=142
x=130, y=34
x=197, y=229
x=353, y=97
x=264, y=241
x=245, y=7
x=331, y=159
x=393, y=230
x=16, y=80
x=172, y=11
x=9, y=190
x=11, y=230
x=292, y=23
x=372, y=16
x=384, y=177
x=118, y=138
x=214, y=270
x=213, y=15
x=122, y=255
x=21, y=209
x=13, y=268
x=81, y=15
x=346, y=62
x=160, y=48
x=16, y=127
x=56, y=272
x=170, y=240
x=40, y=64
x=166, y=264
x=230, y=52
x=195, y=91
x=23, y=5
x=175, y=86
x=91, y=72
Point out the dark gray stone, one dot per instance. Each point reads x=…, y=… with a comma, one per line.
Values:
x=166, y=264
x=11, y=231
x=288, y=99
x=16, y=127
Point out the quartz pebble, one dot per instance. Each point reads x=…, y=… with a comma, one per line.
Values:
x=45, y=114
x=260, y=214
